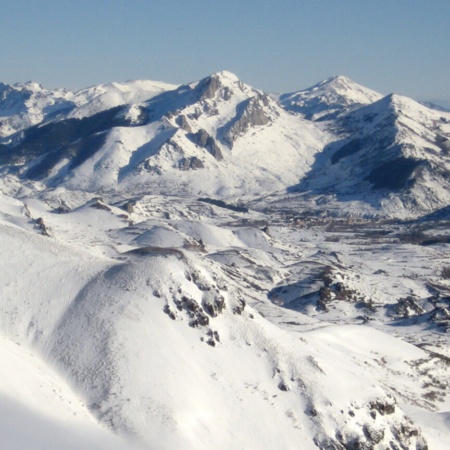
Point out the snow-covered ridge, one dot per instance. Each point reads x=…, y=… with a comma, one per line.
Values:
x=200, y=266
x=156, y=310
x=229, y=133
x=220, y=137
x=329, y=98
x=27, y=104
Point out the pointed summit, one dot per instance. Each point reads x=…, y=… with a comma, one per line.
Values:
x=225, y=75
x=329, y=98
x=220, y=81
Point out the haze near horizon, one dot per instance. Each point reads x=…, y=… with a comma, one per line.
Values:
x=399, y=47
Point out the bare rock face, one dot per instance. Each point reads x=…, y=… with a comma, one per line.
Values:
x=385, y=426
x=255, y=111
x=203, y=139
x=217, y=84
x=183, y=123
x=408, y=307
x=208, y=87
x=190, y=163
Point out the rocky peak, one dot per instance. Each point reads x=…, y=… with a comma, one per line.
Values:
x=220, y=82
x=204, y=140
x=255, y=111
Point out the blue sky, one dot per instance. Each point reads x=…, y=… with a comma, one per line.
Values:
x=400, y=46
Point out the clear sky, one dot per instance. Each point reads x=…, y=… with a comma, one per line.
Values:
x=400, y=46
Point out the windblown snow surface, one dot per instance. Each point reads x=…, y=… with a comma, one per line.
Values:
x=150, y=303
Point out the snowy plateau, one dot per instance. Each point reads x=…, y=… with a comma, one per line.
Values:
x=208, y=266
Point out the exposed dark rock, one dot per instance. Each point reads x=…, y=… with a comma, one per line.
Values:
x=324, y=298
x=202, y=137
x=208, y=87
x=406, y=434
x=204, y=140
x=190, y=163
x=408, y=307
x=155, y=251
x=373, y=435
x=239, y=307
x=63, y=208
x=203, y=319
x=282, y=386
x=213, y=306
x=222, y=204
x=213, y=338
x=100, y=205
x=250, y=113
x=129, y=206
x=441, y=317
x=41, y=225
x=183, y=123
x=169, y=312
x=384, y=408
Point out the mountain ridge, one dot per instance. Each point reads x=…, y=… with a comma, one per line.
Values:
x=205, y=268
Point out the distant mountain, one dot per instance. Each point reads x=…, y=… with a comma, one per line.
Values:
x=27, y=104
x=394, y=151
x=219, y=137
x=214, y=136
x=327, y=99
x=436, y=106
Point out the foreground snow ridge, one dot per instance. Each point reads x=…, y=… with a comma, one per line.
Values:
x=209, y=266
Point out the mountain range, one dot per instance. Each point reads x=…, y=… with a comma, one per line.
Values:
x=212, y=266
x=220, y=137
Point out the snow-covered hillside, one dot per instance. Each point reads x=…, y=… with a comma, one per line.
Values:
x=393, y=153
x=198, y=267
x=219, y=137
x=165, y=334
x=26, y=104
x=329, y=98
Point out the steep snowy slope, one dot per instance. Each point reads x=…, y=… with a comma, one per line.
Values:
x=156, y=311
x=28, y=104
x=39, y=410
x=214, y=137
x=393, y=154
x=329, y=98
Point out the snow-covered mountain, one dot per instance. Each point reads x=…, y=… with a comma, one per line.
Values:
x=204, y=266
x=329, y=98
x=26, y=104
x=219, y=137
x=393, y=153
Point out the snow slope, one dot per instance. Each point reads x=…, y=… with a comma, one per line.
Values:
x=26, y=104
x=40, y=411
x=329, y=98
x=172, y=344
x=393, y=153
x=196, y=267
x=219, y=137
